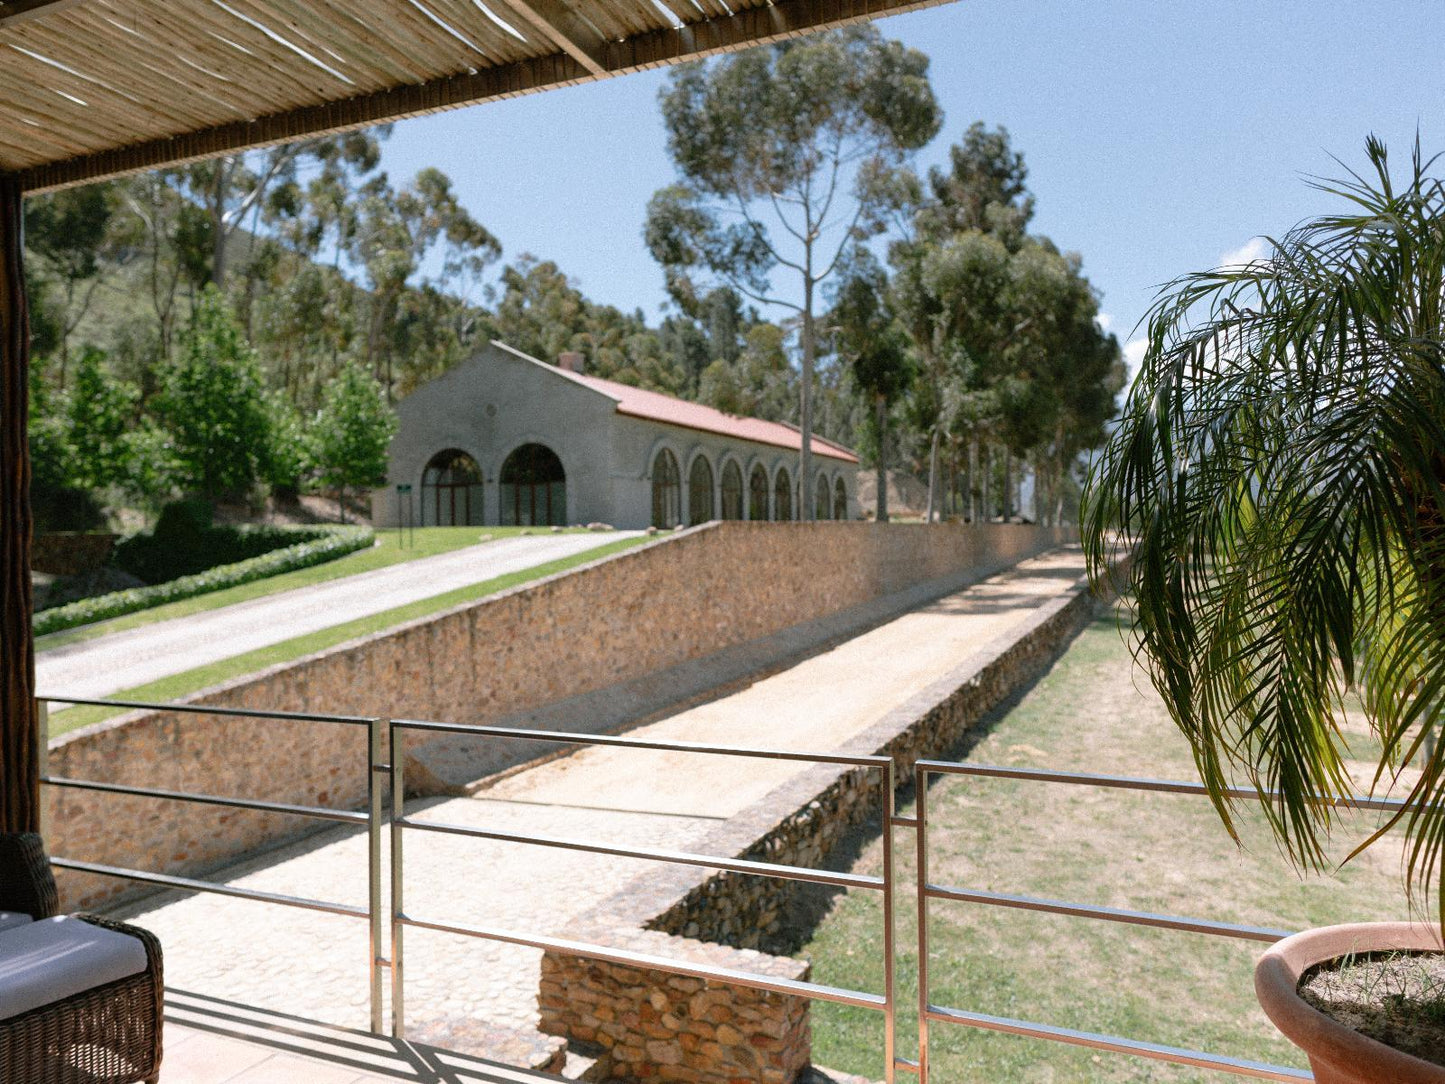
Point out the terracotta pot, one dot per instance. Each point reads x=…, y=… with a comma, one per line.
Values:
x=1338, y=1054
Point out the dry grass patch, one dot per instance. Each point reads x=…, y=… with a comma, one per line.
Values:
x=1092, y=712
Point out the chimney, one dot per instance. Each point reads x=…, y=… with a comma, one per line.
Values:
x=570, y=360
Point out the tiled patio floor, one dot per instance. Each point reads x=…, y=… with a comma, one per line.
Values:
x=209, y=1041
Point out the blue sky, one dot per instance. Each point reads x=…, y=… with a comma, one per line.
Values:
x=1159, y=136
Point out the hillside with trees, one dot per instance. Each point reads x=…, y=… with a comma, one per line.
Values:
x=236, y=328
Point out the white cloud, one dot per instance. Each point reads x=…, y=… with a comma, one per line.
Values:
x=1256, y=248
x=1133, y=359
x=1106, y=322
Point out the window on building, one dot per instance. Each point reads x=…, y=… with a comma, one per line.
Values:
x=699, y=492
x=732, y=491
x=782, y=496
x=451, y=491
x=822, y=497
x=840, y=500
x=758, y=494
x=666, y=490
x=533, y=488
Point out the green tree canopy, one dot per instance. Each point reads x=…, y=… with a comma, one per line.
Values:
x=352, y=432
x=781, y=154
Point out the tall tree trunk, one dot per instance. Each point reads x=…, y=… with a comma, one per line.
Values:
x=881, y=406
x=218, y=223
x=986, y=462
x=932, y=476
x=805, y=411
x=19, y=727
x=1008, y=484
x=973, y=479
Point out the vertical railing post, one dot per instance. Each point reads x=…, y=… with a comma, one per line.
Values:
x=42, y=741
x=890, y=995
x=398, y=810
x=920, y=805
x=378, y=734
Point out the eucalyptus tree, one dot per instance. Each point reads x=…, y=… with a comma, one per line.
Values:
x=867, y=337
x=781, y=153
x=1278, y=479
x=396, y=230
x=67, y=232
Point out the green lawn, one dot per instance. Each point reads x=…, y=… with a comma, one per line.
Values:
x=179, y=685
x=424, y=542
x=1165, y=853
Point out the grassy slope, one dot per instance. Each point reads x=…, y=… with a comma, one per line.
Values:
x=178, y=685
x=1092, y=712
x=425, y=542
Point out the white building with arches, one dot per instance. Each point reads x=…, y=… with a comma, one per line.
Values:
x=505, y=439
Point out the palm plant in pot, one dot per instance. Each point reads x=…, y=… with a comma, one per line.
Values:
x=1277, y=485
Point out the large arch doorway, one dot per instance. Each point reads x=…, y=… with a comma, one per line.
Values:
x=699, y=492
x=840, y=500
x=666, y=491
x=533, y=488
x=758, y=494
x=782, y=496
x=732, y=491
x=822, y=497
x=451, y=491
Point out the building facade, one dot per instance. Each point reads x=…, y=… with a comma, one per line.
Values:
x=505, y=439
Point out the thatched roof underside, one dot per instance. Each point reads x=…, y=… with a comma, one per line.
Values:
x=98, y=88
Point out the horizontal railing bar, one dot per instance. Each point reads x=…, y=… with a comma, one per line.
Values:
x=1121, y=782
x=569, y=738
x=208, y=709
x=908, y=1065
x=1107, y=914
x=681, y=858
x=1117, y=1045
x=190, y=885
x=905, y=822
x=318, y=812
x=627, y=958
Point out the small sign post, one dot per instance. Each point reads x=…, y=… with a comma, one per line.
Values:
x=406, y=525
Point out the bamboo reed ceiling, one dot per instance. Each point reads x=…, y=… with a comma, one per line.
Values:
x=97, y=88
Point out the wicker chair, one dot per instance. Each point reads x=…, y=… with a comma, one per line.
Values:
x=110, y=1034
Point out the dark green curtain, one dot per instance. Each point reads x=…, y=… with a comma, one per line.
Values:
x=19, y=750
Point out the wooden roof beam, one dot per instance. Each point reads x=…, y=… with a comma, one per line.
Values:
x=566, y=30
x=14, y=12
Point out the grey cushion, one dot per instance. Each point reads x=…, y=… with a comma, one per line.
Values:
x=9, y=919
x=56, y=958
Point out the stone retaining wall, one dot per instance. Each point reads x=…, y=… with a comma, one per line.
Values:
x=689, y=914
x=683, y=598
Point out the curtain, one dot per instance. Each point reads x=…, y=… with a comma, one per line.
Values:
x=19, y=750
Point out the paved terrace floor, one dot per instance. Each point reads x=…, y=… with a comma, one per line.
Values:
x=313, y=965
x=124, y=660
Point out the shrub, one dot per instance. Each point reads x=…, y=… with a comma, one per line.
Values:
x=185, y=542
x=336, y=542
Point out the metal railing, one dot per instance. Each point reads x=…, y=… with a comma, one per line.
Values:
x=385, y=763
x=926, y=890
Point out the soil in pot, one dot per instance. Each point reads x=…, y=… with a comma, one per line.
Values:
x=1396, y=998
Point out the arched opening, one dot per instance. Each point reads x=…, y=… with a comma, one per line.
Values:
x=451, y=491
x=699, y=492
x=758, y=494
x=533, y=488
x=840, y=500
x=732, y=491
x=782, y=497
x=822, y=498
x=666, y=490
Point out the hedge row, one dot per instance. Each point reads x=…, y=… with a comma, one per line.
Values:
x=338, y=542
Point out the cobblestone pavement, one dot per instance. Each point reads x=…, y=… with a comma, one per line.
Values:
x=136, y=656
x=315, y=965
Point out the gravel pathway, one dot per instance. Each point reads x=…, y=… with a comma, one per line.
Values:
x=314, y=965
x=137, y=656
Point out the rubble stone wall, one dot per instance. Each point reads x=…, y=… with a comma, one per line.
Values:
x=619, y=618
x=691, y=915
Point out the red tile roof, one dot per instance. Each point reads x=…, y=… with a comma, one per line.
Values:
x=657, y=407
